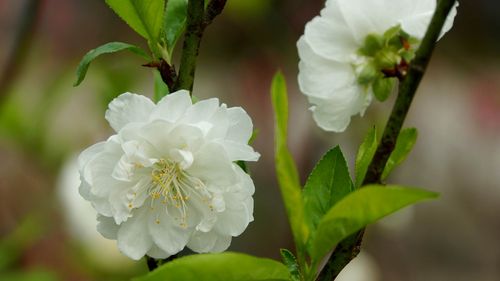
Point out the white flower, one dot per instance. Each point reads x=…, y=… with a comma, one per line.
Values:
x=344, y=51
x=167, y=179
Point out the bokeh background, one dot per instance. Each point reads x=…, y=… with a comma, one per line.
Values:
x=47, y=232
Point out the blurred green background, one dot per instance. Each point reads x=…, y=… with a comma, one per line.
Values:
x=47, y=233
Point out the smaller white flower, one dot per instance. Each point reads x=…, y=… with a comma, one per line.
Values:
x=167, y=178
x=349, y=50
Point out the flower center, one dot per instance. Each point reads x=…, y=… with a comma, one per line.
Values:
x=172, y=186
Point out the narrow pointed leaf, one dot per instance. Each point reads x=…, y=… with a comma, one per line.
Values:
x=365, y=155
x=286, y=170
x=359, y=209
x=291, y=263
x=145, y=17
x=215, y=267
x=327, y=184
x=404, y=144
x=111, y=47
x=174, y=22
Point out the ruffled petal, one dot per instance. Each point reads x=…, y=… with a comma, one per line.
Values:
x=157, y=253
x=107, y=227
x=213, y=166
x=221, y=244
x=209, y=242
x=237, y=151
x=201, y=111
x=329, y=36
x=166, y=233
x=172, y=107
x=128, y=108
x=334, y=114
x=367, y=17
x=240, y=126
x=133, y=239
x=320, y=77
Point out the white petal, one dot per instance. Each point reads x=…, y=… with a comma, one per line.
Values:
x=157, y=253
x=201, y=111
x=240, y=126
x=124, y=169
x=234, y=221
x=329, y=36
x=213, y=166
x=238, y=151
x=210, y=242
x=202, y=242
x=416, y=24
x=128, y=108
x=164, y=136
x=366, y=17
x=219, y=123
x=172, y=107
x=334, y=113
x=166, y=233
x=107, y=227
x=238, y=211
x=90, y=153
x=319, y=76
x=183, y=157
x=221, y=244
x=133, y=239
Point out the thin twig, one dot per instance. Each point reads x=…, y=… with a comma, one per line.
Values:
x=197, y=21
x=192, y=41
x=349, y=248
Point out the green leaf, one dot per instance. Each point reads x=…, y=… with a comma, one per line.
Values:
x=404, y=144
x=215, y=267
x=365, y=155
x=111, y=47
x=360, y=208
x=382, y=88
x=286, y=170
x=145, y=17
x=160, y=88
x=327, y=184
x=174, y=22
x=291, y=263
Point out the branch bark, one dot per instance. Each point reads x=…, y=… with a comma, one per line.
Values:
x=349, y=248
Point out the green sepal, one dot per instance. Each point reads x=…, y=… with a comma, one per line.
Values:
x=368, y=74
x=382, y=87
x=372, y=44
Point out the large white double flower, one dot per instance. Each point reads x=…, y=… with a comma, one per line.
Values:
x=344, y=50
x=167, y=178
